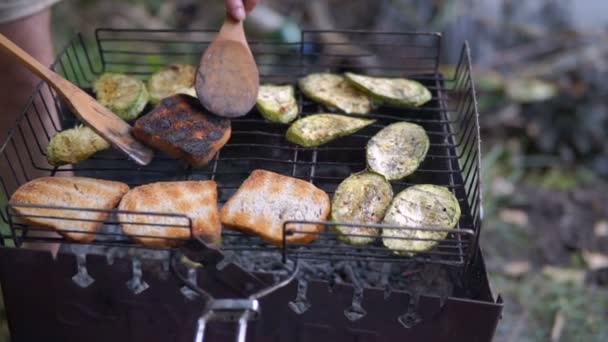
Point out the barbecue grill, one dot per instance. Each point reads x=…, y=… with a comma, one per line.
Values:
x=327, y=290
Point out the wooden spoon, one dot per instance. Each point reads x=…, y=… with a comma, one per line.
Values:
x=227, y=80
x=109, y=126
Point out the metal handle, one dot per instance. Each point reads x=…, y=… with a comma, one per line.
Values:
x=224, y=310
x=240, y=337
x=202, y=323
x=200, y=327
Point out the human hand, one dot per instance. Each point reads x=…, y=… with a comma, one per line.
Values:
x=238, y=9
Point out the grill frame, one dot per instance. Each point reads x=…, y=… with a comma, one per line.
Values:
x=458, y=155
x=73, y=313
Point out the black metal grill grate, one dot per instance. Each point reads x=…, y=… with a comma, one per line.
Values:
x=450, y=119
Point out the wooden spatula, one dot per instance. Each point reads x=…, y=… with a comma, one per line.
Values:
x=109, y=126
x=227, y=79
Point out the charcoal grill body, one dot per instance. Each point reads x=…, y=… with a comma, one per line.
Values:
x=44, y=303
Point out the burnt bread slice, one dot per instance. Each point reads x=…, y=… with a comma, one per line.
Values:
x=266, y=200
x=182, y=128
x=61, y=203
x=180, y=203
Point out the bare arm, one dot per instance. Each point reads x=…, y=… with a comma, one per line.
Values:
x=17, y=84
x=33, y=34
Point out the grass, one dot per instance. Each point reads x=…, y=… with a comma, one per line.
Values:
x=534, y=302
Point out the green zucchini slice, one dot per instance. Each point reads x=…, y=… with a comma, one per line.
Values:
x=277, y=103
x=399, y=92
x=171, y=80
x=419, y=206
x=335, y=91
x=397, y=150
x=74, y=145
x=318, y=129
x=361, y=198
x=124, y=95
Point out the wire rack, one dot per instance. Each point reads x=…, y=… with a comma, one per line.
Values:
x=450, y=120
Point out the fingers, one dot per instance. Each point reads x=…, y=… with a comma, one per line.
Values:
x=235, y=9
x=238, y=9
x=250, y=4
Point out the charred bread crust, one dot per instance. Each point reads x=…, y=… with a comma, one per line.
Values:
x=180, y=127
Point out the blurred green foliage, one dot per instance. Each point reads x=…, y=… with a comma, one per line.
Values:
x=541, y=298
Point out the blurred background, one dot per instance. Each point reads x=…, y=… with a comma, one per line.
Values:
x=541, y=72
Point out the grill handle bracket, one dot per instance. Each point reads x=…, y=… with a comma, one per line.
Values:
x=228, y=310
x=241, y=310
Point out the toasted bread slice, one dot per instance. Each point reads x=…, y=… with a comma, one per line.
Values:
x=194, y=201
x=266, y=200
x=71, y=192
x=180, y=127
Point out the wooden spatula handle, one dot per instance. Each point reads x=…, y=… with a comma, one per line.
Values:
x=233, y=30
x=99, y=118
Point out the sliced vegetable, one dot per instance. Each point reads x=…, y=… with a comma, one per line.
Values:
x=400, y=92
x=277, y=103
x=74, y=145
x=124, y=95
x=397, y=150
x=318, y=129
x=361, y=198
x=335, y=91
x=171, y=80
x=419, y=206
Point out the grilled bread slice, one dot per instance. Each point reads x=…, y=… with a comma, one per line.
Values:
x=194, y=201
x=267, y=199
x=71, y=192
x=180, y=127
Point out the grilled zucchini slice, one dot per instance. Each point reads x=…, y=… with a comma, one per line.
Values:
x=74, y=145
x=397, y=150
x=419, y=206
x=171, y=80
x=277, y=103
x=318, y=129
x=399, y=92
x=124, y=95
x=335, y=91
x=361, y=198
